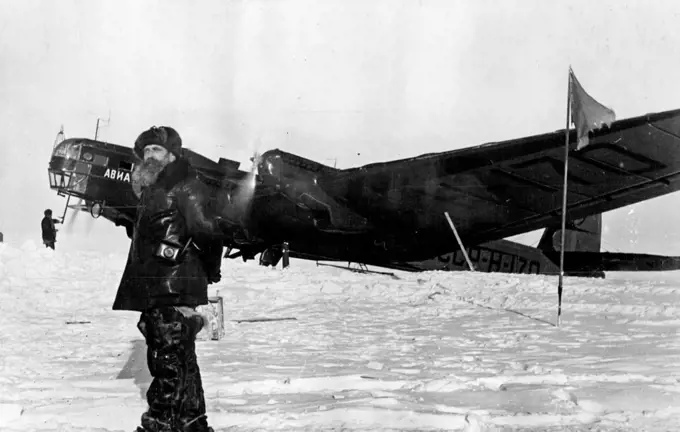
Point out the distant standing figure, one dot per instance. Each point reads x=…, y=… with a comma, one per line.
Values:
x=49, y=231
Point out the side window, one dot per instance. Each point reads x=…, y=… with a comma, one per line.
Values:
x=125, y=165
x=89, y=155
x=100, y=160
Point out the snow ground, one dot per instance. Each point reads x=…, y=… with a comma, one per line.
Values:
x=413, y=351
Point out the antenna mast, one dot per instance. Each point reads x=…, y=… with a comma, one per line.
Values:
x=108, y=121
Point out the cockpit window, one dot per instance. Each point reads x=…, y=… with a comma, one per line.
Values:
x=125, y=165
x=68, y=149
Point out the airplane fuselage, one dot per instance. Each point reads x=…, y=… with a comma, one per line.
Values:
x=392, y=214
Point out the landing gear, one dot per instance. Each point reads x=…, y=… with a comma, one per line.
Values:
x=285, y=252
x=245, y=254
x=271, y=256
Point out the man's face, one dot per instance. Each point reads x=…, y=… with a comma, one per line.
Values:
x=158, y=153
x=156, y=158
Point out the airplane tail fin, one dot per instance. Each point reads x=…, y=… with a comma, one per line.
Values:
x=582, y=235
x=582, y=255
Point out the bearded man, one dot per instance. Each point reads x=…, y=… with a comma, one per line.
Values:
x=175, y=252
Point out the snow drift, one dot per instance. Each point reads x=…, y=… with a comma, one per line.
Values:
x=411, y=351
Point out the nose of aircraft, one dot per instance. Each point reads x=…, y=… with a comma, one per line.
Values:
x=63, y=162
x=67, y=149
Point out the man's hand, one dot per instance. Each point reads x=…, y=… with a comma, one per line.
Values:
x=214, y=278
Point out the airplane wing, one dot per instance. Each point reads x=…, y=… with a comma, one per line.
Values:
x=506, y=188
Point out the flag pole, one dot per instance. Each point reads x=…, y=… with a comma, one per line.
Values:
x=564, y=202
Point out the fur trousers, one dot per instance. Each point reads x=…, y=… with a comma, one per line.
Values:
x=175, y=396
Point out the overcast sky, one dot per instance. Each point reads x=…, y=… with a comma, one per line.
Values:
x=338, y=81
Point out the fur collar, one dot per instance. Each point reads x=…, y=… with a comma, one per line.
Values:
x=168, y=177
x=173, y=173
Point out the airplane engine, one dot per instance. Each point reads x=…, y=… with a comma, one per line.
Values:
x=297, y=178
x=287, y=166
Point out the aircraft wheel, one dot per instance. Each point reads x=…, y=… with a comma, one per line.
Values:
x=270, y=257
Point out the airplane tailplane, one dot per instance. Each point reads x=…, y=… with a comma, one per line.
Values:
x=582, y=235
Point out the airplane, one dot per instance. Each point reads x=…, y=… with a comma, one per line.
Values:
x=394, y=214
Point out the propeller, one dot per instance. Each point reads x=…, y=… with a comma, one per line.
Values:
x=70, y=217
x=71, y=214
x=75, y=210
x=243, y=197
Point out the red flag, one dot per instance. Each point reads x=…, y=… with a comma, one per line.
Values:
x=587, y=114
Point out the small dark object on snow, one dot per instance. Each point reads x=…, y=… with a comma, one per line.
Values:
x=362, y=269
x=265, y=319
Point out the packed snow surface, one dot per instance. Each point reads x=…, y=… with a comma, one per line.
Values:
x=352, y=351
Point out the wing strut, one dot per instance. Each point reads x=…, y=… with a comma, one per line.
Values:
x=460, y=242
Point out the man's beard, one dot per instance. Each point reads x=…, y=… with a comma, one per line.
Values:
x=146, y=173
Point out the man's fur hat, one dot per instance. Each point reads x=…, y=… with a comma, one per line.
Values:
x=163, y=136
